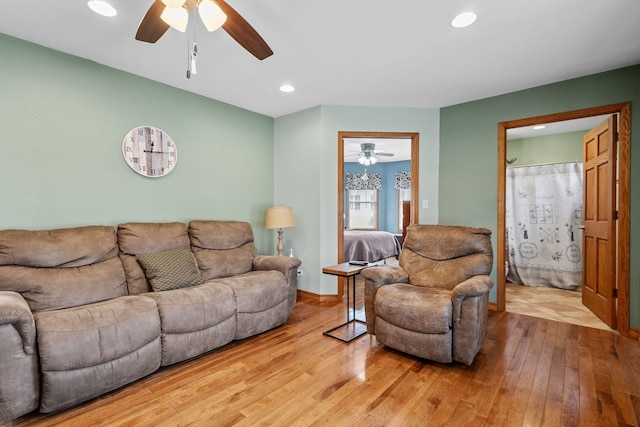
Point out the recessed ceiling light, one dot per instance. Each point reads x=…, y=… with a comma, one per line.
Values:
x=464, y=20
x=287, y=88
x=538, y=127
x=102, y=8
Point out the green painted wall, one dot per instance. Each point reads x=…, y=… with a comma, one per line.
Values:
x=562, y=147
x=469, y=150
x=63, y=120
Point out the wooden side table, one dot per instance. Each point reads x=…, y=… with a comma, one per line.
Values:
x=354, y=328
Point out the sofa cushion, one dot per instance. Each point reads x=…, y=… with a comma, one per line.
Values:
x=222, y=248
x=61, y=268
x=170, y=269
x=90, y=350
x=257, y=290
x=262, y=298
x=140, y=238
x=195, y=320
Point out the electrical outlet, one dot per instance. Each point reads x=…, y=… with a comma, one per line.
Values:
x=300, y=273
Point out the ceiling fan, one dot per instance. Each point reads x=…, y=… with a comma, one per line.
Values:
x=214, y=14
x=369, y=155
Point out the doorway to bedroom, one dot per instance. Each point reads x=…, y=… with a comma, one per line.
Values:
x=377, y=194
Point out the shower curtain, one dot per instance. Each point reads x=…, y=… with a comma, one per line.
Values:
x=543, y=215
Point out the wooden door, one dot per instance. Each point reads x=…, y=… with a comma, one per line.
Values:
x=599, y=236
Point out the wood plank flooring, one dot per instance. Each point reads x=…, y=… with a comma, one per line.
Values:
x=530, y=371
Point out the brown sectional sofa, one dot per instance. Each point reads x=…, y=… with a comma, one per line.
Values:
x=79, y=316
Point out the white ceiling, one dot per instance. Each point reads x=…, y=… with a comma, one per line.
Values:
x=352, y=52
x=553, y=128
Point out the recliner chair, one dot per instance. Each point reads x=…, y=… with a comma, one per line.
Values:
x=434, y=303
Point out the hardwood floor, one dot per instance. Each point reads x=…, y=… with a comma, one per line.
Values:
x=531, y=371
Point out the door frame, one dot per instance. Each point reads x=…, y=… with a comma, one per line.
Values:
x=415, y=143
x=624, y=179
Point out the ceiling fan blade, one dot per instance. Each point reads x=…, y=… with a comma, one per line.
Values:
x=382, y=153
x=242, y=32
x=152, y=27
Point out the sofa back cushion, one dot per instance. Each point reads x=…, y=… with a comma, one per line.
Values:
x=222, y=248
x=61, y=268
x=136, y=238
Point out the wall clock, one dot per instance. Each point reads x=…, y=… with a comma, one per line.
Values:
x=149, y=151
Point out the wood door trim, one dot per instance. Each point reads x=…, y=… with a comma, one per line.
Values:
x=415, y=150
x=624, y=173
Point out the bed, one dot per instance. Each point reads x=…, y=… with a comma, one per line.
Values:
x=370, y=246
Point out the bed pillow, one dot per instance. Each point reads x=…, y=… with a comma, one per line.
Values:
x=170, y=269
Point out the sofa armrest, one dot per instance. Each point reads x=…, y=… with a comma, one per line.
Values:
x=374, y=278
x=20, y=385
x=473, y=287
x=283, y=264
x=15, y=311
x=288, y=266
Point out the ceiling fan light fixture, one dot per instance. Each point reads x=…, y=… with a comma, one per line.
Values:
x=367, y=160
x=174, y=3
x=212, y=16
x=176, y=17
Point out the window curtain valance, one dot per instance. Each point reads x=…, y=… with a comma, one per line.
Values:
x=355, y=181
x=403, y=180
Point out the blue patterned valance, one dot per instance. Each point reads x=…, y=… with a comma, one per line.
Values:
x=403, y=180
x=355, y=181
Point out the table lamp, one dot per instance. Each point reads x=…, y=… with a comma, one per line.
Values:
x=280, y=217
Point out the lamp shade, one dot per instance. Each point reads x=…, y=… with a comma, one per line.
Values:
x=280, y=217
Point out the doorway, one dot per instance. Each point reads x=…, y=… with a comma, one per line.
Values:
x=367, y=137
x=620, y=268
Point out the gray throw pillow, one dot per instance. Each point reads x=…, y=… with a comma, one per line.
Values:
x=171, y=269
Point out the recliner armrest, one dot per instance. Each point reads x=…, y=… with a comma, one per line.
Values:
x=15, y=311
x=376, y=277
x=382, y=275
x=473, y=287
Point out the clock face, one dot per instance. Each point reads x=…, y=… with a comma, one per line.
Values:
x=149, y=151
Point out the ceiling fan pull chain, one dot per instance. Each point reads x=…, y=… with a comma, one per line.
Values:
x=188, y=56
x=194, y=57
x=192, y=53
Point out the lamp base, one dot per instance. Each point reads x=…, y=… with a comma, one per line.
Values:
x=279, y=246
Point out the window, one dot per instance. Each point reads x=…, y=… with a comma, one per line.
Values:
x=403, y=196
x=363, y=210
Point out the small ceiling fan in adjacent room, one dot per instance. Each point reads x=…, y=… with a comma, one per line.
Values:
x=214, y=14
x=368, y=154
